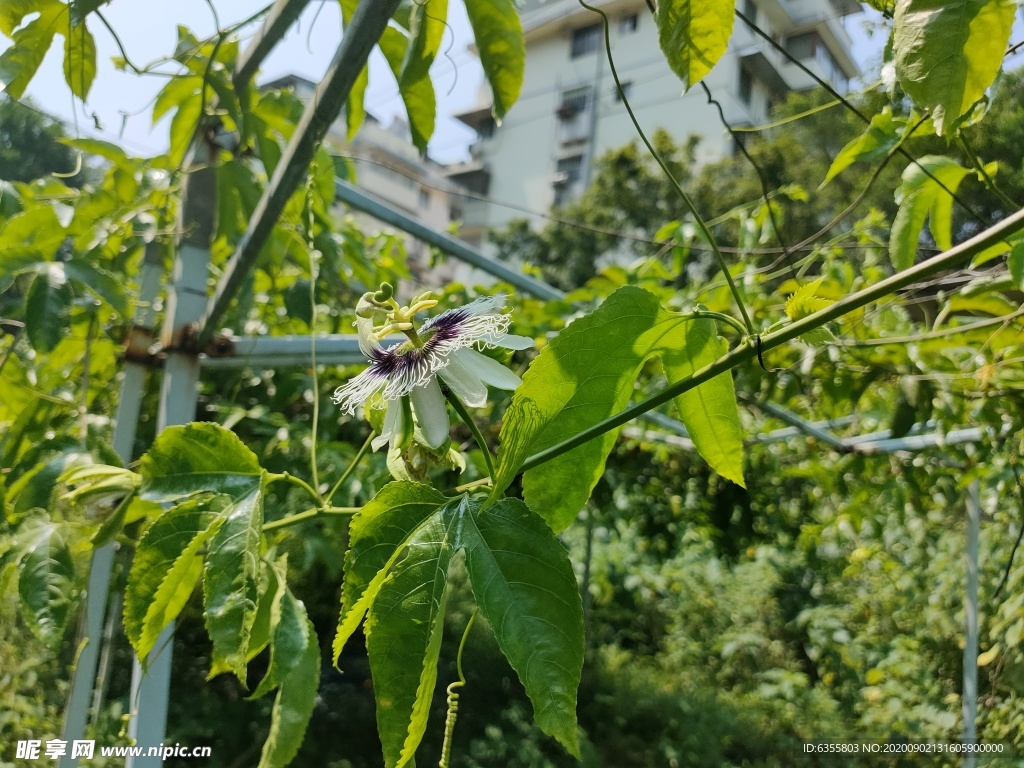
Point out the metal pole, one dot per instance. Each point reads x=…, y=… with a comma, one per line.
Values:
x=186, y=300
x=126, y=422
x=367, y=25
x=281, y=16
x=361, y=201
x=969, y=701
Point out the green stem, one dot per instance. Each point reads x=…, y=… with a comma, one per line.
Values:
x=720, y=317
x=986, y=177
x=290, y=478
x=705, y=230
x=460, y=409
x=749, y=349
x=351, y=467
x=462, y=645
x=309, y=514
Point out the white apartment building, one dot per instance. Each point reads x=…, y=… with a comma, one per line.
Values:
x=569, y=112
x=389, y=167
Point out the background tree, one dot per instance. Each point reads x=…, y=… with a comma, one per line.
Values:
x=29, y=146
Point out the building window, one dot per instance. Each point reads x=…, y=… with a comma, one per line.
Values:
x=585, y=40
x=801, y=46
x=573, y=102
x=628, y=24
x=750, y=10
x=569, y=171
x=627, y=90
x=486, y=128
x=746, y=86
x=424, y=198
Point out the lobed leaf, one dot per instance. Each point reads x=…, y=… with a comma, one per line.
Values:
x=874, y=144
x=586, y=374
x=524, y=585
x=920, y=196
x=289, y=640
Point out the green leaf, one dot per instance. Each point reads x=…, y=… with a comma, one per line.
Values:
x=499, y=39
x=46, y=307
x=46, y=582
x=100, y=282
x=36, y=488
x=921, y=196
x=198, y=457
x=98, y=148
x=293, y=707
x=417, y=94
x=231, y=581
x=184, y=125
x=79, y=60
x=289, y=640
x=404, y=627
x=268, y=613
x=948, y=53
x=806, y=301
x=177, y=91
x=377, y=535
x=524, y=585
x=693, y=35
x=874, y=144
x=427, y=22
x=114, y=523
x=1015, y=261
x=586, y=374
x=19, y=63
x=166, y=567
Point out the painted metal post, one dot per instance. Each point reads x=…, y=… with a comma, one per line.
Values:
x=186, y=301
x=969, y=701
x=125, y=425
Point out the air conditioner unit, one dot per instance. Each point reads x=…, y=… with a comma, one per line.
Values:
x=559, y=179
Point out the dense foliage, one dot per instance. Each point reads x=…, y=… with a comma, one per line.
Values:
x=644, y=598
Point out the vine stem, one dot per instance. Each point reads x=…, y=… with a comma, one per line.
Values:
x=985, y=175
x=751, y=348
x=705, y=230
x=290, y=478
x=460, y=409
x=351, y=466
x=309, y=514
x=453, y=698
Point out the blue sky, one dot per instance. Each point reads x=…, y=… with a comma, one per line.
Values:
x=121, y=102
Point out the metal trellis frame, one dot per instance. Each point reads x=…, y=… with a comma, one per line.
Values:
x=192, y=315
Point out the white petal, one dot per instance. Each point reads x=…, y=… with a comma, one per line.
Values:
x=392, y=426
x=464, y=383
x=368, y=342
x=431, y=412
x=511, y=341
x=490, y=371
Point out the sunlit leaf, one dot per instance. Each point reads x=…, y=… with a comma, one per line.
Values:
x=498, y=34
x=693, y=35
x=166, y=568
x=920, y=196
x=874, y=144
x=29, y=44
x=79, y=60
x=948, y=53
x=586, y=374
